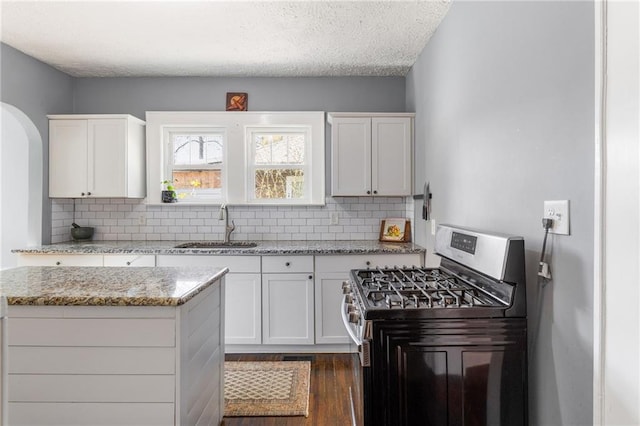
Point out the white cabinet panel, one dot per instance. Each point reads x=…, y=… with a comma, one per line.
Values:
x=96, y=156
x=391, y=147
x=60, y=260
x=90, y=388
x=286, y=264
x=287, y=307
x=68, y=153
x=95, y=414
x=332, y=263
x=129, y=260
x=351, y=156
x=243, y=309
x=371, y=154
x=91, y=360
x=329, y=326
x=236, y=264
x=91, y=332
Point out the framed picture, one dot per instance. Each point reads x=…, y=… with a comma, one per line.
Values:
x=395, y=230
x=237, y=101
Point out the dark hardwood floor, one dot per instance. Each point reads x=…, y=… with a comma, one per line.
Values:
x=329, y=402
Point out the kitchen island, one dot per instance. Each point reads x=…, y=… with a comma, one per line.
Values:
x=94, y=345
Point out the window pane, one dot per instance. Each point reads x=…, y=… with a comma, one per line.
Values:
x=193, y=149
x=279, y=148
x=194, y=183
x=279, y=183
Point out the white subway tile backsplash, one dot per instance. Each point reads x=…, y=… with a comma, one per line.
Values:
x=119, y=219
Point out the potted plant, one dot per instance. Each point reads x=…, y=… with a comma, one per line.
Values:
x=169, y=193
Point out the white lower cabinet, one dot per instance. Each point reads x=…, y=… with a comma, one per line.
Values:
x=287, y=309
x=287, y=300
x=60, y=260
x=243, y=314
x=243, y=293
x=331, y=272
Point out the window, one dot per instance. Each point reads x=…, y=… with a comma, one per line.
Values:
x=278, y=165
x=195, y=162
x=237, y=158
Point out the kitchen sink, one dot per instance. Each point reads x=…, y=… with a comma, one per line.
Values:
x=217, y=244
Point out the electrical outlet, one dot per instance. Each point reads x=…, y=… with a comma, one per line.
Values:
x=142, y=219
x=558, y=211
x=334, y=218
x=433, y=227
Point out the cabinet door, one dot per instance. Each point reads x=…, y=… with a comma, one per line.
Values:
x=287, y=309
x=391, y=155
x=107, y=157
x=328, y=293
x=243, y=309
x=351, y=156
x=68, y=158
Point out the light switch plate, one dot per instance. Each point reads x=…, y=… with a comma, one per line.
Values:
x=558, y=210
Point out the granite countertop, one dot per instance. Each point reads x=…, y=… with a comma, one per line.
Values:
x=99, y=286
x=263, y=248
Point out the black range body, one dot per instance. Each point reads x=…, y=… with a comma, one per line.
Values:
x=447, y=345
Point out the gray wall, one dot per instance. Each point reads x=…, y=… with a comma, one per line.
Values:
x=137, y=95
x=37, y=90
x=504, y=101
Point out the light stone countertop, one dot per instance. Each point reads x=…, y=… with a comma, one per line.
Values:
x=99, y=286
x=263, y=248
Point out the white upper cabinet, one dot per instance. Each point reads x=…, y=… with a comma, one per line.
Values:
x=99, y=156
x=371, y=154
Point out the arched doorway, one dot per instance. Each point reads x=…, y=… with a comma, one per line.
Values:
x=20, y=184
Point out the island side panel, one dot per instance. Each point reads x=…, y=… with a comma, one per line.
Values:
x=201, y=358
x=72, y=365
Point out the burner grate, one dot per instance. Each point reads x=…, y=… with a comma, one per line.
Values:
x=419, y=288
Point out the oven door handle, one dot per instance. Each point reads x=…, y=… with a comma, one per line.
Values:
x=345, y=320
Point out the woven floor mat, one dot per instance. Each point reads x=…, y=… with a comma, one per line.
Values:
x=266, y=388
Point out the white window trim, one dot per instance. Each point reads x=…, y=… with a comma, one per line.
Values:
x=235, y=174
x=168, y=155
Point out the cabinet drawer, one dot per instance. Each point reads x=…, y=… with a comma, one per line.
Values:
x=286, y=264
x=348, y=262
x=129, y=260
x=59, y=260
x=236, y=264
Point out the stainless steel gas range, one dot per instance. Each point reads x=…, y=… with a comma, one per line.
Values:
x=447, y=345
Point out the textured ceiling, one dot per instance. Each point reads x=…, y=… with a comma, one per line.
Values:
x=223, y=38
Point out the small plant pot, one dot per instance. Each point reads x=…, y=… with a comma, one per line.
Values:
x=169, y=197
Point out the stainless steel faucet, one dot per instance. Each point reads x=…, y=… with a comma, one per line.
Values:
x=224, y=215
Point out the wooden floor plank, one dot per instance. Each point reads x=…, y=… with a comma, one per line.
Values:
x=331, y=377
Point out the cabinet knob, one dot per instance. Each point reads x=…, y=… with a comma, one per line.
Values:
x=368, y=192
x=88, y=193
x=128, y=263
x=58, y=263
x=368, y=263
x=310, y=277
x=375, y=192
x=287, y=264
x=82, y=193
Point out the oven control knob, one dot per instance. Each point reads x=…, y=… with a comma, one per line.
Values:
x=348, y=298
x=351, y=308
x=354, y=317
x=346, y=287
